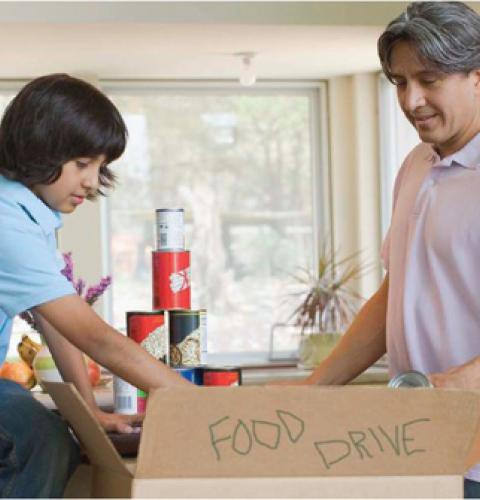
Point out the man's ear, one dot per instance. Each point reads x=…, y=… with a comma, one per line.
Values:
x=476, y=78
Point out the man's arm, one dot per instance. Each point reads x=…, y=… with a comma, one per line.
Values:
x=361, y=345
x=78, y=323
x=71, y=364
x=466, y=376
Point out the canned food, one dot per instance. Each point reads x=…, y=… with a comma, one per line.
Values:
x=171, y=280
x=222, y=376
x=142, y=397
x=127, y=399
x=149, y=329
x=409, y=379
x=170, y=229
x=203, y=336
x=185, y=337
x=193, y=375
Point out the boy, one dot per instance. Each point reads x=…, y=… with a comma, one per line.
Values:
x=57, y=138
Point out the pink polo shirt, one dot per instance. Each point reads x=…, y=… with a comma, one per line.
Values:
x=432, y=255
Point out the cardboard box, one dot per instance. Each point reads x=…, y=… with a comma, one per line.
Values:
x=275, y=442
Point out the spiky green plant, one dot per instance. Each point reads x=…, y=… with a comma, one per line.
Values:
x=328, y=304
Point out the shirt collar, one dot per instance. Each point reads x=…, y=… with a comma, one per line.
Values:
x=49, y=220
x=467, y=157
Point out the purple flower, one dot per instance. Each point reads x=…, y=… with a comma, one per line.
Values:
x=94, y=292
x=91, y=295
x=67, y=271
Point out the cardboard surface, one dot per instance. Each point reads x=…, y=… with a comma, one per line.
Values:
x=277, y=442
x=302, y=487
x=87, y=429
x=306, y=431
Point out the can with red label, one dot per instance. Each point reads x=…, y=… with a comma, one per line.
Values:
x=224, y=376
x=150, y=330
x=170, y=229
x=185, y=337
x=171, y=280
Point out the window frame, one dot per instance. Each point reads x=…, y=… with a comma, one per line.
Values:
x=317, y=92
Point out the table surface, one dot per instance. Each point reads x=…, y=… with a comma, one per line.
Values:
x=251, y=375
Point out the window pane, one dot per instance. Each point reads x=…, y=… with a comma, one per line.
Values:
x=241, y=167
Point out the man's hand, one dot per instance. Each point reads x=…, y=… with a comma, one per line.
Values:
x=465, y=376
x=115, y=422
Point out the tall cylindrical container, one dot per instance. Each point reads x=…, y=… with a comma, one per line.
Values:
x=170, y=229
x=150, y=330
x=171, y=280
x=185, y=338
x=127, y=399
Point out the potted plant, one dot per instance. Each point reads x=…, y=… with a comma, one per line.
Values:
x=328, y=304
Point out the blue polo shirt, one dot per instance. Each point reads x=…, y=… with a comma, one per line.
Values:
x=30, y=263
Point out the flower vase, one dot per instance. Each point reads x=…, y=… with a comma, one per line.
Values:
x=315, y=347
x=44, y=367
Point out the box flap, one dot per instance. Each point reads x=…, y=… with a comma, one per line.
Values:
x=87, y=428
x=306, y=431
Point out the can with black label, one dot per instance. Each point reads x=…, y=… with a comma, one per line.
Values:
x=185, y=337
x=150, y=330
x=410, y=379
x=193, y=375
x=170, y=229
x=222, y=376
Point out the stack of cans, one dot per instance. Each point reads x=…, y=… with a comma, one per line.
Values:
x=173, y=333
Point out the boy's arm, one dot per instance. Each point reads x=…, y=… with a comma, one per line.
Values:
x=361, y=345
x=78, y=323
x=71, y=364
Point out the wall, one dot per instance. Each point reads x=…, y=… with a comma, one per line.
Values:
x=355, y=179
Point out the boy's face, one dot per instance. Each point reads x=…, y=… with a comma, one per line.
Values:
x=444, y=108
x=79, y=180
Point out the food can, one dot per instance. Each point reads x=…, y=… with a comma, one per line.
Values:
x=142, y=397
x=150, y=330
x=409, y=379
x=170, y=229
x=171, y=280
x=193, y=375
x=126, y=397
x=185, y=337
x=203, y=336
x=225, y=376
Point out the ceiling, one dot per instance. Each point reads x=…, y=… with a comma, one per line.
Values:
x=191, y=40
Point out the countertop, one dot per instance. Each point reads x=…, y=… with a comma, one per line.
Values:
x=251, y=375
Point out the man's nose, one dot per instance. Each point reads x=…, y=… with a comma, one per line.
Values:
x=414, y=97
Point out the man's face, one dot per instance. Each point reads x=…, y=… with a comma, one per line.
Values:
x=444, y=108
x=79, y=180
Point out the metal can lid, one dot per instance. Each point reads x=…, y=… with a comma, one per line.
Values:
x=409, y=379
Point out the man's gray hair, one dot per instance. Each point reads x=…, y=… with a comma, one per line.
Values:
x=445, y=35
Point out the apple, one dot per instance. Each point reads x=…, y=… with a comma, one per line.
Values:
x=93, y=372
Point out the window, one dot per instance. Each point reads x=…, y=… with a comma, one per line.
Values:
x=397, y=138
x=244, y=166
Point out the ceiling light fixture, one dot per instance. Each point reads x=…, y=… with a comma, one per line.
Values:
x=247, y=74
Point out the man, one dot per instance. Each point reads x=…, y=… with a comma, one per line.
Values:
x=426, y=313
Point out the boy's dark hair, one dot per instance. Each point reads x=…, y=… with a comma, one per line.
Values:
x=54, y=119
x=445, y=35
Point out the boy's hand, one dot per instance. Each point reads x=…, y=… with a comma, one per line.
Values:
x=115, y=422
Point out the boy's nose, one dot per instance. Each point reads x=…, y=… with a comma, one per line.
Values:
x=90, y=181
